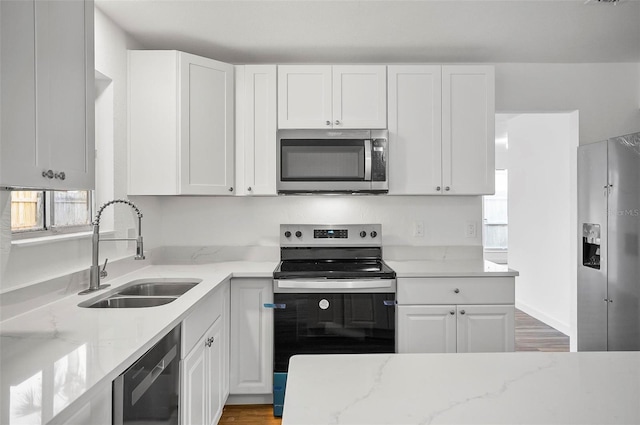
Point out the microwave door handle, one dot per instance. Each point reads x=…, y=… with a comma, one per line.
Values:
x=367, y=160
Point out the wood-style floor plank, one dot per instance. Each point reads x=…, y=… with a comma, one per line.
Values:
x=531, y=335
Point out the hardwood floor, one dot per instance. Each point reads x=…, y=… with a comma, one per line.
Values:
x=531, y=335
x=249, y=414
x=534, y=335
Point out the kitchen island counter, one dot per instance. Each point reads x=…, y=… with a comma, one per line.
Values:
x=491, y=388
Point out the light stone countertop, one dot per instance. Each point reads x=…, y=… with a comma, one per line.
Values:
x=35, y=345
x=491, y=388
x=64, y=354
x=450, y=268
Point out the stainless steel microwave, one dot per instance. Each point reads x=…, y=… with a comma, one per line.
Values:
x=332, y=161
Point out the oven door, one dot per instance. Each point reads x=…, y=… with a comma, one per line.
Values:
x=331, y=323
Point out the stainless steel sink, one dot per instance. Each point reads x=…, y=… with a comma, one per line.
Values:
x=151, y=289
x=143, y=293
x=131, y=302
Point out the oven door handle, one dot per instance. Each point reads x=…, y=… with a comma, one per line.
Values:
x=334, y=284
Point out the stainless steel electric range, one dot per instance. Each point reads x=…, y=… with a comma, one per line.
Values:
x=333, y=293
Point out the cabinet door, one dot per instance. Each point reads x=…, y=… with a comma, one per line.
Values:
x=468, y=129
x=64, y=99
x=259, y=139
x=304, y=96
x=195, y=384
x=360, y=96
x=485, y=328
x=19, y=150
x=251, y=362
x=214, y=359
x=426, y=329
x=415, y=152
x=207, y=126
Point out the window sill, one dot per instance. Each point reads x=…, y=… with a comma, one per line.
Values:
x=42, y=240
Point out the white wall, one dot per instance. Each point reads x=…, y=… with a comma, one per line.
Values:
x=542, y=199
x=255, y=221
x=605, y=94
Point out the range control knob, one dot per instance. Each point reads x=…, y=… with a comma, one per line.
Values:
x=363, y=234
x=374, y=234
x=298, y=234
x=287, y=234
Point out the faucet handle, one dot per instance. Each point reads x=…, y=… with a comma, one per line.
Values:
x=103, y=272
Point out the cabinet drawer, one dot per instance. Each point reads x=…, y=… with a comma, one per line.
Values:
x=207, y=311
x=456, y=290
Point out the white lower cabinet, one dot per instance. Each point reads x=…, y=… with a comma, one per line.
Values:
x=251, y=364
x=426, y=329
x=448, y=315
x=205, y=364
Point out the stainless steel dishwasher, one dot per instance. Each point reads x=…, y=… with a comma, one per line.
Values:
x=149, y=391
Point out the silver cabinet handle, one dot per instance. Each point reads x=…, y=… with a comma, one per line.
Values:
x=249, y=188
x=209, y=341
x=462, y=312
x=337, y=122
x=231, y=189
x=457, y=291
x=61, y=175
x=447, y=188
x=48, y=174
x=452, y=312
x=328, y=122
x=275, y=306
x=438, y=188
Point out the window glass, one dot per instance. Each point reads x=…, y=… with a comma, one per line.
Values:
x=52, y=211
x=27, y=210
x=495, y=215
x=71, y=208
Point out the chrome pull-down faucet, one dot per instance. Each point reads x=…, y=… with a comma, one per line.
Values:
x=94, y=271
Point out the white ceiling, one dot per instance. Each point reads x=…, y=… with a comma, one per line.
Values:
x=347, y=31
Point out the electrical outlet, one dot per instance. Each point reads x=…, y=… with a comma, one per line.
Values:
x=418, y=229
x=470, y=229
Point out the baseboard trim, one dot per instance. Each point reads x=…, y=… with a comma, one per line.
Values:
x=556, y=324
x=249, y=399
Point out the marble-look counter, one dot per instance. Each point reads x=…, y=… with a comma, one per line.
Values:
x=450, y=268
x=54, y=358
x=491, y=388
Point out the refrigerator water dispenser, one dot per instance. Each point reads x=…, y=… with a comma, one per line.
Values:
x=591, y=245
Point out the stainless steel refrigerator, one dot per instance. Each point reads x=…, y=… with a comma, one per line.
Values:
x=609, y=253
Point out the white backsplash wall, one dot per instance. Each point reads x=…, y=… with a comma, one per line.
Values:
x=220, y=221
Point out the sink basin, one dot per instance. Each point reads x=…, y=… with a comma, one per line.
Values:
x=131, y=302
x=150, y=289
x=143, y=293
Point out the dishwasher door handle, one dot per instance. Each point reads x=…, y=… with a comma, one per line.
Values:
x=148, y=380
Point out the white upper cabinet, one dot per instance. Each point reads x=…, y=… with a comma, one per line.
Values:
x=256, y=105
x=441, y=130
x=415, y=129
x=324, y=96
x=47, y=78
x=468, y=129
x=181, y=124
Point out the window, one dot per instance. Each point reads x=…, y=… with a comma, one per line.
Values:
x=50, y=212
x=495, y=215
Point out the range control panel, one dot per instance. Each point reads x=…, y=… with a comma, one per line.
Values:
x=330, y=235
